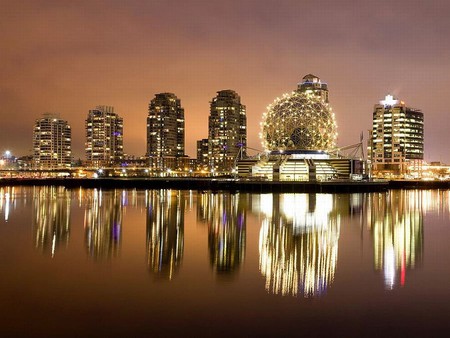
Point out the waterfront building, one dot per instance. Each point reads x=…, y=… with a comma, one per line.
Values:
x=104, y=137
x=52, y=143
x=227, y=131
x=202, y=153
x=165, y=133
x=396, y=141
x=298, y=134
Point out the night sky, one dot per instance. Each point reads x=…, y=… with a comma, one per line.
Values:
x=67, y=57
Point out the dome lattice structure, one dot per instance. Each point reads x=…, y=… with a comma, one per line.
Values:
x=299, y=121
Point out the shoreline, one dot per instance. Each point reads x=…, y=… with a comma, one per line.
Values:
x=227, y=184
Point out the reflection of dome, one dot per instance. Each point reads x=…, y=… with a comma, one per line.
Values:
x=299, y=121
x=299, y=246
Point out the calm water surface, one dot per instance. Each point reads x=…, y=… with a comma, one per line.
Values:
x=91, y=263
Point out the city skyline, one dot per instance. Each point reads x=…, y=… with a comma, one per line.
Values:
x=58, y=58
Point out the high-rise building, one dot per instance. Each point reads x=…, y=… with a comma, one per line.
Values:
x=165, y=132
x=227, y=130
x=202, y=153
x=52, y=143
x=396, y=140
x=104, y=137
x=312, y=84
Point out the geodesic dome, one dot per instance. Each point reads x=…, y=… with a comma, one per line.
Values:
x=299, y=121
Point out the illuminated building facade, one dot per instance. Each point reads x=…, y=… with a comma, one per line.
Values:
x=52, y=143
x=104, y=137
x=202, y=153
x=396, y=140
x=165, y=132
x=227, y=130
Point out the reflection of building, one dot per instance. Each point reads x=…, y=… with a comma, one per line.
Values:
x=396, y=138
x=397, y=228
x=51, y=221
x=298, y=243
x=227, y=130
x=226, y=218
x=104, y=137
x=165, y=231
x=52, y=143
x=103, y=222
x=165, y=132
x=6, y=196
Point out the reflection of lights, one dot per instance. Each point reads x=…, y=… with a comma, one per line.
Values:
x=299, y=250
x=225, y=215
x=165, y=231
x=389, y=267
x=303, y=213
x=397, y=228
x=266, y=204
x=6, y=207
x=51, y=222
x=103, y=223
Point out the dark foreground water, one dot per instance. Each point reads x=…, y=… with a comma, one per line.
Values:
x=127, y=263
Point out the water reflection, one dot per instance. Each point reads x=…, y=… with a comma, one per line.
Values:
x=51, y=221
x=225, y=215
x=103, y=222
x=397, y=227
x=5, y=201
x=165, y=231
x=298, y=243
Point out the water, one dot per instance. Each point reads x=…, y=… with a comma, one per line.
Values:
x=133, y=263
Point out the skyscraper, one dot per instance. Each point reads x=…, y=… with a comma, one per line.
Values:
x=227, y=130
x=52, y=143
x=165, y=132
x=104, y=137
x=396, y=140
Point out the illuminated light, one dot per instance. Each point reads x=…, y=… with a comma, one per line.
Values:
x=298, y=122
x=389, y=101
